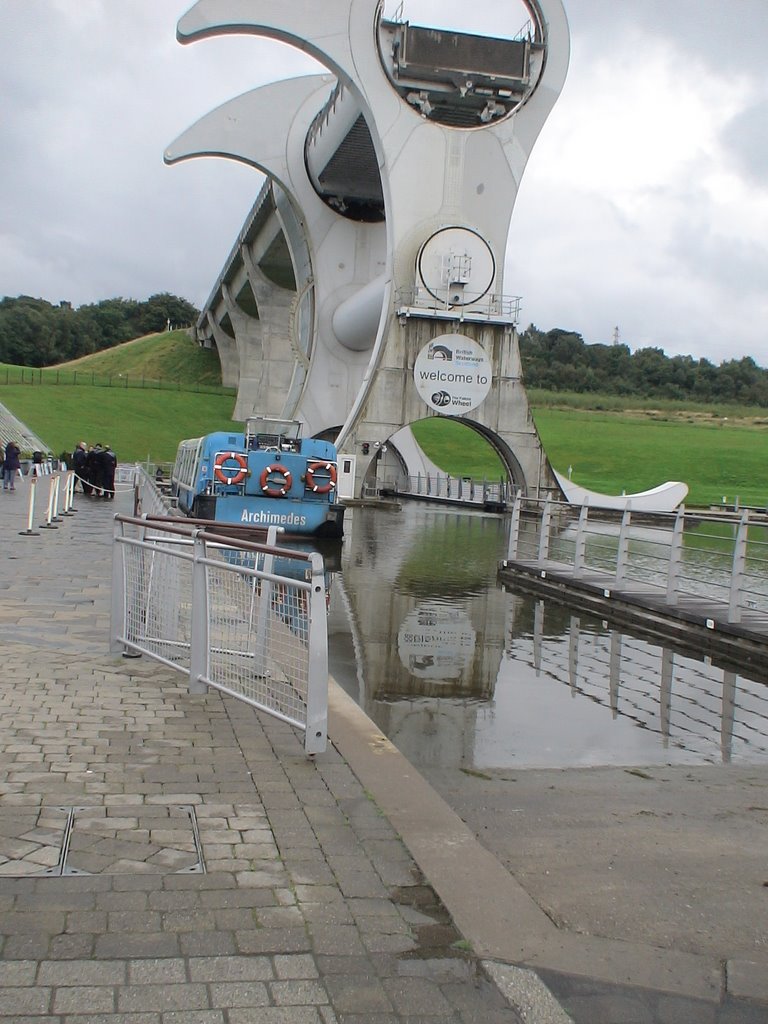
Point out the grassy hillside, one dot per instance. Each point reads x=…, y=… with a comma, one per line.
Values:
x=140, y=422
x=172, y=355
x=611, y=444
x=615, y=452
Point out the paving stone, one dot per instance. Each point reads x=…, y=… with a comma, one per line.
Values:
x=71, y=947
x=141, y=945
x=295, y=967
x=231, y=968
x=298, y=992
x=82, y=972
x=228, y=995
x=416, y=996
x=341, y=940
x=276, y=1015
x=152, y=972
x=273, y=940
x=162, y=998
x=17, y=972
x=82, y=999
x=358, y=994
x=184, y=1017
x=27, y=1000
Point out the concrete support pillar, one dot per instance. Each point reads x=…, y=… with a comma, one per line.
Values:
x=267, y=356
x=226, y=346
x=504, y=417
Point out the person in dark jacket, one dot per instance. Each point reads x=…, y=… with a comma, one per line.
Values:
x=93, y=470
x=108, y=468
x=11, y=466
x=79, y=458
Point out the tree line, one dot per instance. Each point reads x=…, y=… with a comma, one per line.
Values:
x=559, y=360
x=34, y=332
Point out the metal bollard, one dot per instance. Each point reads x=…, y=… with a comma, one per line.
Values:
x=48, y=524
x=56, y=488
x=29, y=532
x=67, y=509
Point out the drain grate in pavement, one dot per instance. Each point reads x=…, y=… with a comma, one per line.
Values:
x=131, y=839
x=31, y=840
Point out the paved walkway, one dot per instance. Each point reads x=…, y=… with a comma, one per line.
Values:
x=168, y=859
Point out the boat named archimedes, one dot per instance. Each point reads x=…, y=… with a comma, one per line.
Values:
x=266, y=476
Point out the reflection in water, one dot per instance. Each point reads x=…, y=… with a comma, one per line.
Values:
x=458, y=672
x=437, y=642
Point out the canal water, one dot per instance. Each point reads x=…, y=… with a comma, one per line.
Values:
x=458, y=672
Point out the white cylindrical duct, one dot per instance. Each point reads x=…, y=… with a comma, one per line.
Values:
x=357, y=318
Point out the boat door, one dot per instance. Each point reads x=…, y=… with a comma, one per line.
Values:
x=345, y=476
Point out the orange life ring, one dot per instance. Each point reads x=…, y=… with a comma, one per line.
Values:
x=238, y=476
x=275, y=488
x=330, y=482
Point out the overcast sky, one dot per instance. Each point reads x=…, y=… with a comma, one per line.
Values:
x=644, y=205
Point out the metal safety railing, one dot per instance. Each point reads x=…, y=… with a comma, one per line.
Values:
x=490, y=306
x=685, y=554
x=247, y=619
x=441, y=486
x=152, y=496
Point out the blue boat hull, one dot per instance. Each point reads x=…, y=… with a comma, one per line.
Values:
x=301, y=518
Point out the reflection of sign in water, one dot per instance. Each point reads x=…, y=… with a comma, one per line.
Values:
x=452, y=374
x=436, y=642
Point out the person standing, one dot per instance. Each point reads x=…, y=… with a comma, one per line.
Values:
x=79, y=456
x=11, y=466
x=93, y=470
x=109, y=466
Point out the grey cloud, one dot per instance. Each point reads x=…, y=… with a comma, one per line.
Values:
x=746, y=139
x=92, y=91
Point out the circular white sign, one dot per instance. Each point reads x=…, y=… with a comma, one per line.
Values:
x=452, y=374
x=456, y=266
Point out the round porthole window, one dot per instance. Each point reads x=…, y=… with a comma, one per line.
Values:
x=460, y=64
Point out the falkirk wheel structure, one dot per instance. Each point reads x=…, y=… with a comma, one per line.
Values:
x=366, y=289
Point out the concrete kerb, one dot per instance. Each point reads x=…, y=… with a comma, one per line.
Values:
x=492, y=912
x=503, y=925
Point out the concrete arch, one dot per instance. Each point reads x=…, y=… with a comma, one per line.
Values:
x=503, y=450
x=405, y=454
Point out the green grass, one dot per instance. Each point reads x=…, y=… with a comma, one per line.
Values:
x=660, y=408
x=117, y=400
x=612, y=444
x=171, y=360
x=457, y=449
x=717, y=453
x=138, y=424
x=611, y=453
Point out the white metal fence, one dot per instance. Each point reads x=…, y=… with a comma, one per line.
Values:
x=687, y=554
x=441, y=486
x=248, y=619
x=151, y=497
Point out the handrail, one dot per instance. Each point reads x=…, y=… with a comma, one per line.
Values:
x=229, y=613
x=680, y=555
